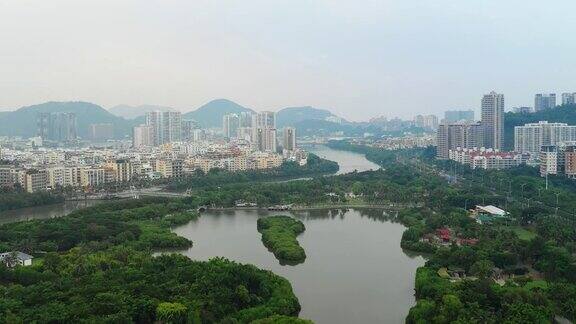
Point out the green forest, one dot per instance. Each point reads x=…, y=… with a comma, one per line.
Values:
x=519, y=271
x=279, y=235
x=96, y=266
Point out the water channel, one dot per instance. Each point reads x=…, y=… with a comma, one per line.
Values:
x=355, y=270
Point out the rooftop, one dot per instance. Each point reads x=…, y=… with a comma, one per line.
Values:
x=493, y=210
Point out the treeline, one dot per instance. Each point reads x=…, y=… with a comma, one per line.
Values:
x=396, y=184
x=315, y=166
x=96, y=265
x=542, y=242
x=14, y=199
x=559, y=114
x=141, y=224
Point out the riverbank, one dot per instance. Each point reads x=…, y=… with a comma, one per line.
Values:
x=354, y=272
x=102, y=256
x=322, y=207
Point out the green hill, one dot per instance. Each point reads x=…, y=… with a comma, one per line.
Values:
x=292, y=116
x=22, y=122
x=560, y=114
x=132, y=112
x=210, y=114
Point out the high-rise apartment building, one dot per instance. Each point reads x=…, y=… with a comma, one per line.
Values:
x=264, y=119
x=568, y=98
x=57, y=127
x=264, y=131
x=230, y=125
x=544, y=101
x=458, y=135
x=264, y=139
x=454, y=116
x=188, y=127
x=142, y=136
x=245, y=119
x=493, y=120
x=289, y=138
x=429, y=122
x=531, y=137
x=101, y=132
x=166, y=126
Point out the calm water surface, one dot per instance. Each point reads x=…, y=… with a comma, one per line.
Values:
x=355, y=270
x=348, y=161
x=42, y=212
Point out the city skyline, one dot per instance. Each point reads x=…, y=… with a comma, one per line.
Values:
x=267, y=56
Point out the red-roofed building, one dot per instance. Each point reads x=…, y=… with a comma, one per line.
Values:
x=444, y=234
x=488, y=158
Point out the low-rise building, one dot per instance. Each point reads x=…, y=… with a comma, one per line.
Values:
x=488, y=214
x=16, y=258
x=487, y=159
x=35, y=180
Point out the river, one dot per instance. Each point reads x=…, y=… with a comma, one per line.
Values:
x=355, y=270
x=42, y=212
x=348, y=161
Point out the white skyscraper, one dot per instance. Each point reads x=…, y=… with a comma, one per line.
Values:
x=142, y=136
x=264, y=119
x=230, y=125
x=568, y=98
x=531, y=137
x=166, y=126
x=493, y=120
x=544, y=101
x=264, y=131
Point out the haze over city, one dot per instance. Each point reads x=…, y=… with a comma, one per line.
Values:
x=358, y=59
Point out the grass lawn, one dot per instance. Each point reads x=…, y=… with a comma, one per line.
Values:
x=542, y=284
x=522, y=233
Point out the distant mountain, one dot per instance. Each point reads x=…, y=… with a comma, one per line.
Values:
x=292, y=116
x=22, y=122
x=131, y=112
x=560, y=114
x=210, y=114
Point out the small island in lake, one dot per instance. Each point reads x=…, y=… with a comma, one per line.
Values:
x=279, y=235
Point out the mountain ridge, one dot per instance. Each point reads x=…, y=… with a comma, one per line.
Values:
x=210, y=114
x=132, y=112
x=22, y=122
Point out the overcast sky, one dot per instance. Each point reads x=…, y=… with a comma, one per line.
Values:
x=358, y=58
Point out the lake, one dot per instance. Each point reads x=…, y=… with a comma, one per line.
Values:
x=355, y=270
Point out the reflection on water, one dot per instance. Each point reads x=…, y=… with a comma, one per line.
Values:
x=355, y=270
x=43, y=212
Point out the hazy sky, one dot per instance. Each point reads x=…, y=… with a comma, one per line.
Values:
x=357, y=58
